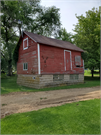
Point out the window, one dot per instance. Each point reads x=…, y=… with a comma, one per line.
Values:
x=74, y=76
x=58, y=77
x=25, y=66
x=25, y=44
x=77, y=61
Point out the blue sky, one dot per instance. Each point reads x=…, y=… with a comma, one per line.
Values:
x=68, y=9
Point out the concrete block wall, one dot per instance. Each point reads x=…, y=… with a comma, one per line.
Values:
x=31, y=81
x=41, y=81
x=81, y=77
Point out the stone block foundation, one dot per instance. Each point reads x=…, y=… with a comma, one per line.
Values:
x=41, y=81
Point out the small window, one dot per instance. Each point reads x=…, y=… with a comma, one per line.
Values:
x=58, y=77
x=77, y=61
x=74, y=76
x=25, y=44
x=25, y=66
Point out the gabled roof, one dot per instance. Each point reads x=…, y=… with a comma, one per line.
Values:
x=52, y=42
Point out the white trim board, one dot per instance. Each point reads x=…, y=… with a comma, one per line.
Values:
x=38, y=47
x=65, y=59
x=24, y=48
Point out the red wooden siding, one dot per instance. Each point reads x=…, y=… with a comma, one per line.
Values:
x=51, y=59
x=28, y=56
x=53, y=62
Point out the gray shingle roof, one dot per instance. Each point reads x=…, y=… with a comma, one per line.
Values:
x=52, y=42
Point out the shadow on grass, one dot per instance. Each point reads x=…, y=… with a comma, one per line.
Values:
x=89, y=78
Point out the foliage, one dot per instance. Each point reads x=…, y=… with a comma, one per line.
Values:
x=8, y=37
x=87, y=37
x=3, y=64
x=10, y=85
x=84, y=55
x=62, y=34
x=16, y=52
x=47, y=22
x=33, y=17
x=73, y=118
x=3, y=76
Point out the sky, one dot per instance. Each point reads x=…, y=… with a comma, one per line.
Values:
x=68, y=9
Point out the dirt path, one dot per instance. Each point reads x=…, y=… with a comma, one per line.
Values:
x=18, y=102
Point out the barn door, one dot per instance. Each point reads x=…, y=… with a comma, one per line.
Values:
x=67, y=60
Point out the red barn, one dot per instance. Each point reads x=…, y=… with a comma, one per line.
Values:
x=45, y=61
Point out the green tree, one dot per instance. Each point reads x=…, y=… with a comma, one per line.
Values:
x=87, y=37
x=47, y=22
x=34, y=18
x=62, y=34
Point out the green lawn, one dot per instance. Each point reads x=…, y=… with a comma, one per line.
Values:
x=74, y=118
x=88, y=73
x=9, y=85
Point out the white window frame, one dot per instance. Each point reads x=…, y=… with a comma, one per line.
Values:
x=65, y=59
x=24, y=48
x=25, y=66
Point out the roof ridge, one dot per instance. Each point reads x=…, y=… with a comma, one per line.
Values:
x=48, y=37
x=52, y=41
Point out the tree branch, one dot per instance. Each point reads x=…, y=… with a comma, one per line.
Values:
x=12, y=35
x=3, y=56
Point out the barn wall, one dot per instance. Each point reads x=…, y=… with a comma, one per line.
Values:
x=52, y=61
x=30, y=56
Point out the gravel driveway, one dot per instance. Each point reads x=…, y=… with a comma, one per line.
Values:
x=19, y=102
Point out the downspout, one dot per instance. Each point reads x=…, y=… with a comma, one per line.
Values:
x=38, y=47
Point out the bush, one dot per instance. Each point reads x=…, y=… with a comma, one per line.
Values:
x=3, y=75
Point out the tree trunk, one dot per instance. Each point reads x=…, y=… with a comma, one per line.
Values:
x=9, y=62
x=19, y=30
x=10, y=54
x=92, y=71
x=10, y=67
x=99, y=72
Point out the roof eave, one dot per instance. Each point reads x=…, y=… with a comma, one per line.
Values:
x=61, y=47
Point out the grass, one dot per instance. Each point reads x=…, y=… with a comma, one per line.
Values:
x=88, y=73
x=9, y=85
x=74, y=118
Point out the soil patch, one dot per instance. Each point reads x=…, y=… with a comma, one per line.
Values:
x=18, y=102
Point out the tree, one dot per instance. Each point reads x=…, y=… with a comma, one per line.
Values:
x=87, y=37
x=47, y=22
x=62, y=34
x=34, y=18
